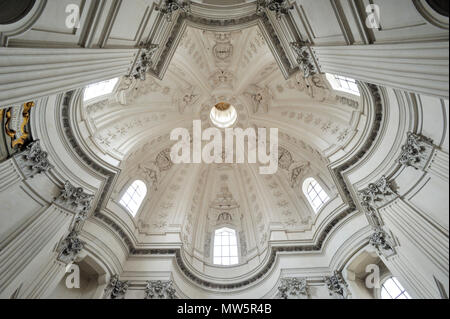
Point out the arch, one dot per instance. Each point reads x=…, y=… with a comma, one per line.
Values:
x=315, y=194
x=440, y=6
x=225, y=251
x=134, y=196
x=12, y=11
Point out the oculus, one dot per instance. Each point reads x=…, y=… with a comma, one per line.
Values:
x=223, y=115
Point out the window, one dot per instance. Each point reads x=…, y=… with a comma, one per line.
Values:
x=342, y=83
x=392, y=289
x=99, y=89
x=315, y=194
x=225, y=247
x=133, y=197
x=223, y=115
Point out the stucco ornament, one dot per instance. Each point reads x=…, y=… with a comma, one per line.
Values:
x=144, y=61
x=279, y=7
x=293, y=288
x=69, y=248
x=416, y=151
x=382, y=242
x=337, y=285
x=33, y=160
x=305, y=58
x=160, y=290
x=377, y=192
x=168, y=7
x=116, y=289
x=75, y=199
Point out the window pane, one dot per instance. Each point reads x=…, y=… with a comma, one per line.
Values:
x=132, y=200
x=385, y=294
x=225, y=240
x=314, y=193
x=225, y=251
x=225, y=244
x=98, y=89
x=392, y=288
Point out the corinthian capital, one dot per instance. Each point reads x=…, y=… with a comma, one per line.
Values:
x=33, y=160
x=69, y=248
x=74, y=199
x=416, y=151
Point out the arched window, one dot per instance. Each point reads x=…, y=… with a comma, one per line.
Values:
x=225, y=247
x=99, y=89
x=344, y=84
x=133, y=197
x=315, y=193
x=392, y=289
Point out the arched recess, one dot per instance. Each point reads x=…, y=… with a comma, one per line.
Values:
x=12, y=11
x=434, y=11
x=17, y=17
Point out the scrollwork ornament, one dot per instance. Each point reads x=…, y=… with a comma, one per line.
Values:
x=144, y=61
x=33, y=160
x=168, y=7
x=116, y=289
x=75, y=199
x=416, y=151
x=380, y=240
x=336, y=285
x=292, y=288
x=160, y=290
x=305, y=58
x=69, y=248
x=279, y=7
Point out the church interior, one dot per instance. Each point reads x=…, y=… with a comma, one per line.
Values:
x=93, y=206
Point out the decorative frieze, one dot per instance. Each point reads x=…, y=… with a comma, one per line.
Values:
x=337, y=285
x=168, y=7
x=160, y=290
x=293, y=288
x=116, y=289
x=416, y=152
x=69, y=248
x=144, y=61
x=279, y=7
x=305, y=58
x=33, y=160
x=75, y=199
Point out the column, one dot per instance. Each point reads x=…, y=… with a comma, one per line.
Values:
x=30, y=73
x=413, y=67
